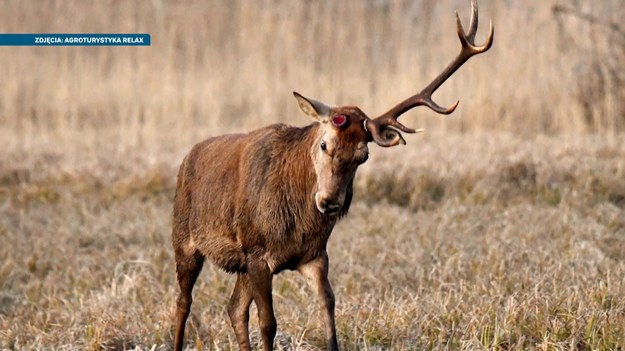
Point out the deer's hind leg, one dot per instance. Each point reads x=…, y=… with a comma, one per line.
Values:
x=239, y=311
x=260, y=277
x=188, y=268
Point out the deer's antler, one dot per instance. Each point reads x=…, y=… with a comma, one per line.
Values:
x=385, y=128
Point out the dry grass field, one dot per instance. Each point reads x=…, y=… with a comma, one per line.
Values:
x=501, y=228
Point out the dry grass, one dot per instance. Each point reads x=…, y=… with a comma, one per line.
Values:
x=518, y=244
x=502, y=228
x=234, y=64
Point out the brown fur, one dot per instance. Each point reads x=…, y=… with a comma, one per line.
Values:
x=246, y=202
x=251, y=193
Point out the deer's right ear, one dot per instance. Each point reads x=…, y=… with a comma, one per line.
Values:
x=313, y=108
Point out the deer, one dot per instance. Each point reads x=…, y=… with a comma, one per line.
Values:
x=258, y=203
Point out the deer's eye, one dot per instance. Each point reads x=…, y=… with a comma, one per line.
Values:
x=324, y=147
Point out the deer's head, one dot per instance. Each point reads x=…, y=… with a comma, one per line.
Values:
x=345, y=131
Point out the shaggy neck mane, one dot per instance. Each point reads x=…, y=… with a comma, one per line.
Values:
x=296, y=170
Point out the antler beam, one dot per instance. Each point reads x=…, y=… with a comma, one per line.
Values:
x=385, y=128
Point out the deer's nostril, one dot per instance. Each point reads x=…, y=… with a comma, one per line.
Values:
x=329, y=206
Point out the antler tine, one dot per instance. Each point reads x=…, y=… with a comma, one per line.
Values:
x=468, y=40
x=474, y=21
x=378, y=126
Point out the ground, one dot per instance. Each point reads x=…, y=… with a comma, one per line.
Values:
x=460, y=241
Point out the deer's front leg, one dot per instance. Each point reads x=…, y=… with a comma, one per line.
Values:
x=317, y=273
x=260, y=276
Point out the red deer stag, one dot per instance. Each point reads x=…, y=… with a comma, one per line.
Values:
x=258, y=203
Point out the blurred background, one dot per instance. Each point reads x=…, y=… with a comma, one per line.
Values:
x=556, y=66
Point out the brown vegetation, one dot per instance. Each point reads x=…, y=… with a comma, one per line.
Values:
x=500, y=228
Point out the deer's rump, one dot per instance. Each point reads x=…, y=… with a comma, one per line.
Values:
x=204, y=202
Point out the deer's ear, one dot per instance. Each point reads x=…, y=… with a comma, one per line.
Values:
x=313, y=108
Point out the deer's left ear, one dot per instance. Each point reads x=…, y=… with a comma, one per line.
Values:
x=313, y=108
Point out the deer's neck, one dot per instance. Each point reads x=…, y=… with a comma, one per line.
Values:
x=298, y=172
